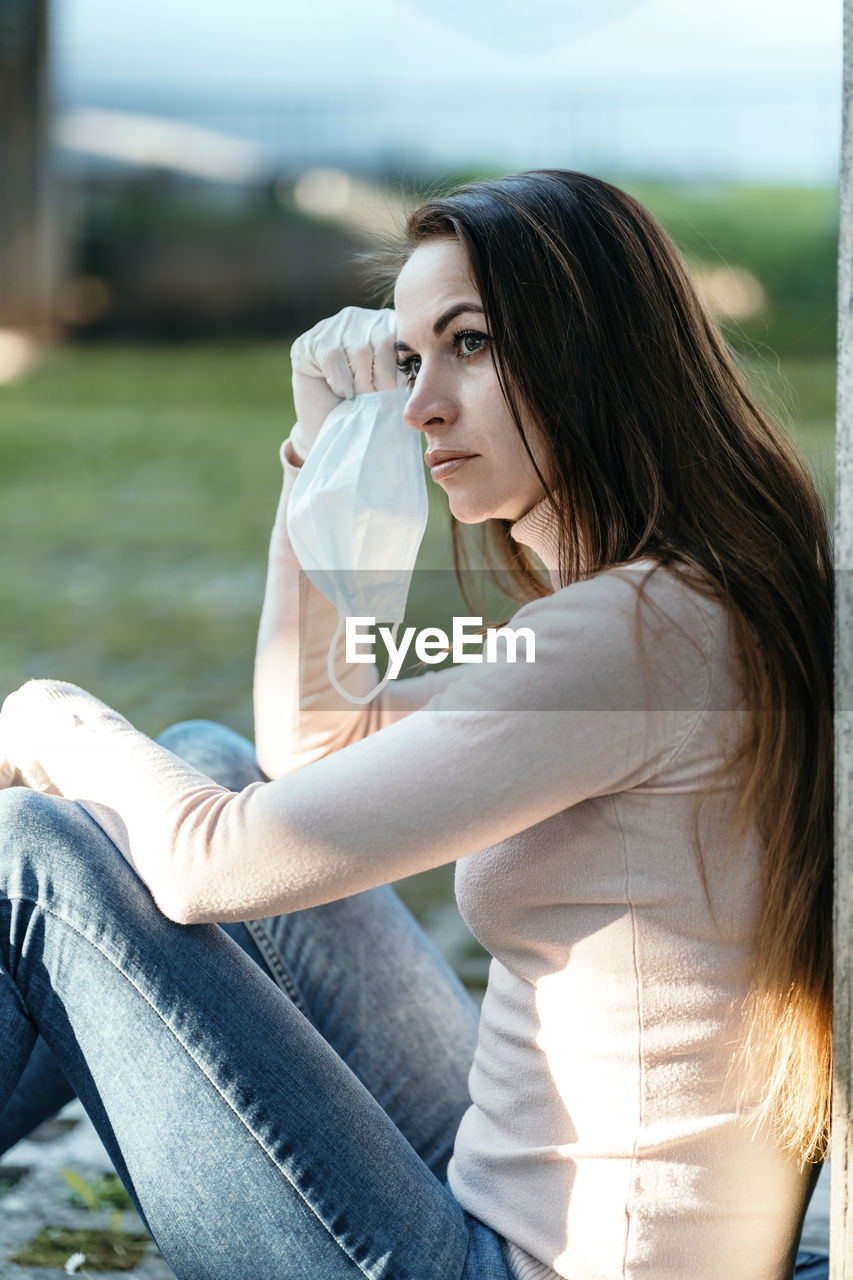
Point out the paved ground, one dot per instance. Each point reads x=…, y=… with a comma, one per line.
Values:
x=39, y=1198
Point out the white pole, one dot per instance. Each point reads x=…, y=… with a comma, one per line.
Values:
x=841, y=1218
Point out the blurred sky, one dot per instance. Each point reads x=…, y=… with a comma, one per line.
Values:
x=738, y=87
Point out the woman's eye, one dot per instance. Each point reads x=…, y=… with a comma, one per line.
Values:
x=469, y=342
x=410, y=367
x=466, y=343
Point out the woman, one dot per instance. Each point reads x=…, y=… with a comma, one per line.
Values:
x=641, y=820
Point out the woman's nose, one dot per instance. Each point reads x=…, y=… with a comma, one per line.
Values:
x=428, y=405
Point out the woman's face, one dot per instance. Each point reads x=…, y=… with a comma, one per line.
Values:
x=455, y=400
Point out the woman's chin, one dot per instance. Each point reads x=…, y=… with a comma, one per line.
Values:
x=478, y=513
x=472, y=505
x=468, y=512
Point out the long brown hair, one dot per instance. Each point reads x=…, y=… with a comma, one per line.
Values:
x=656, y=448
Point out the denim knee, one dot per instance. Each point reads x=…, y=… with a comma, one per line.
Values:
x=28, y=817
x=54, y=854
x=216, y=751
x=47, y=839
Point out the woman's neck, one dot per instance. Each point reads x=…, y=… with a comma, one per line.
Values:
x=539, y=530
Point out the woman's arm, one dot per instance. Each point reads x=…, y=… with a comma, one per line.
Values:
x=501, y=748
x=298, y=717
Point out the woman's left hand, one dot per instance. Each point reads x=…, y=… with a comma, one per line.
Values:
x=24, y=722
x=9, y=776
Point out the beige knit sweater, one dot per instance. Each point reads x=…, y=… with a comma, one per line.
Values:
x=604, y=1139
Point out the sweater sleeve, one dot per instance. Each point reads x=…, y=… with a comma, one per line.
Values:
x=296, y=720
x=502, y=747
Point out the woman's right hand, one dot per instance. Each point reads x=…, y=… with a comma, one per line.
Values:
x=344, y=356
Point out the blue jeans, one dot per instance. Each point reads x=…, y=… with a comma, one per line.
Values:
x=280, y=1098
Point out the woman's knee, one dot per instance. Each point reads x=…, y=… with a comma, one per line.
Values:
x=31, y=817
x=220, y=753
x=54, y=853
x=43, y=838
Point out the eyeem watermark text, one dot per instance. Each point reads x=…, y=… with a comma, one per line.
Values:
x=432, y=644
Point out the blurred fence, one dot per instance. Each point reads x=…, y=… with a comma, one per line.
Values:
x=179, y=214
x=760, y=132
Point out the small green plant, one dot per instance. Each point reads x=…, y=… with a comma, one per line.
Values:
x=80, y=1251
x=100, y=1250
x=106, y=1192
x=82, y=1190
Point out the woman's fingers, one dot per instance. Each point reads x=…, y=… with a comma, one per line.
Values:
x=338, y=372
x=385, y=372
x=353, y=351
x=366, y=340
x=20, y=730
x=31, y=775
x=360, y=359
x=347, y=355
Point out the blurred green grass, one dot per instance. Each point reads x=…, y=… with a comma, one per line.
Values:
x=138, y=488
x=137, y=491
x=786, y=237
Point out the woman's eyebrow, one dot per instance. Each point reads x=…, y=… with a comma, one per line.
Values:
x=444, y=320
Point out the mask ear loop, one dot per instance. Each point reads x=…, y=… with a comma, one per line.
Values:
x=330, y=667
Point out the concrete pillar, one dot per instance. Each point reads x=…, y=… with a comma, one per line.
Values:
x=841, y=1228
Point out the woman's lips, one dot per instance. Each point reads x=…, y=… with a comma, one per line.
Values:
x=442, y=462
x=441, y=469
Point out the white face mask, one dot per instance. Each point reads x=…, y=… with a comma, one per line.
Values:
x=358, y=511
